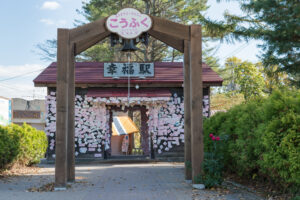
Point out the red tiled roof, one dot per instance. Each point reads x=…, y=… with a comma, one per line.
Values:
x=92, y=73
x=123, y=92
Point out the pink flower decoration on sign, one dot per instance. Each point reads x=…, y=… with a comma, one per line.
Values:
x=128, y=23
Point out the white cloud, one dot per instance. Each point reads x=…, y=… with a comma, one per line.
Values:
x=47, y=21
x=20, y=81
x=50, y=22
x=19, y=90
x=7, y=71
x=62, y=22
x=50, y=5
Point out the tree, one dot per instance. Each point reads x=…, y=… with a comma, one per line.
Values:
x=181, y=11
x=242, y=77
x=47, y=50
x=229, y=76
x=249, y=79
x=276, y=22
x=273, y=79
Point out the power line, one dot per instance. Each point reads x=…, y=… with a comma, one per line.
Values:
x=236, y=50
x=21, y=75
x=40, y=95
x=12, y=88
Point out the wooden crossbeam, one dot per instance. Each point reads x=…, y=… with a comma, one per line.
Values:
x=88, y=31
x=87, y=43
x=169, y=40
x=170, y=28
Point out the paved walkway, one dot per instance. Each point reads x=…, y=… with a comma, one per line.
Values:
x=116, y=182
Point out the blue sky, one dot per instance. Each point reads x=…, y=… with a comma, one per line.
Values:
x=27, y=23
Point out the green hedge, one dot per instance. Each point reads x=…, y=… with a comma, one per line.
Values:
x=21, y=144
x=9, y=146
x=263, y=138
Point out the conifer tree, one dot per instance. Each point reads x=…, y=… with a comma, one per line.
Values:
x=181, y=11
x=276, y=23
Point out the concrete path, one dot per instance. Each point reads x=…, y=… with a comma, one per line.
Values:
x=163, y=181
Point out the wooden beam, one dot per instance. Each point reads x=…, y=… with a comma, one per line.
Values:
x=71, y=115
x=85, y=44
x=196, y=101
x=169, y=40
x=187, y=113
x=63, y=41
x=168, y=27
x=88, y=31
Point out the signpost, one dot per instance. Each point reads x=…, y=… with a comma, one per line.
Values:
x=128, y=23
x=125, y=69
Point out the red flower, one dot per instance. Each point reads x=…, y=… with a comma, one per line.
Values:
x=211, y=135
x=217, y=138
x=213, y=138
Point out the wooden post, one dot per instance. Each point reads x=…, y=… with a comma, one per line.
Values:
x=209, y=101
x=71, y=115
x=196, y=100
x=62, y=109
x=187, y=113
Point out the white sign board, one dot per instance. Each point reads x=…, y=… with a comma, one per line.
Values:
x=128, y=69
x=5, y=111
x=128, y=23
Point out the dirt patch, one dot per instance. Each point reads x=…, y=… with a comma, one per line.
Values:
x=261, y=187
x=45, y=188
x=50, y=187
x=20, y=170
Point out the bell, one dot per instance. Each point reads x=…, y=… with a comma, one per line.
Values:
x=114, y=38
x=129, y=45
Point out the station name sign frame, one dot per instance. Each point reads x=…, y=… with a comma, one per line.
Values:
x=116, y=70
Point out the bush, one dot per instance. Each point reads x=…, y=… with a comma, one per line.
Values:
x=212, y=164
x=9, y=147
x=22, y=144
x=263, y=138
x=239, y=125
x=281, y=139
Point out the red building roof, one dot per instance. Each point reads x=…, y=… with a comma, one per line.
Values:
x=92, y=73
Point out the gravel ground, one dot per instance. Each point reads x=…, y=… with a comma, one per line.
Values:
x=116, y=182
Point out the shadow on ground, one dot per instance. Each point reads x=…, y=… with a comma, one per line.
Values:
x=120, y=181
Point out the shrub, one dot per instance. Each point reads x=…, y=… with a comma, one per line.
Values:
x=281, y=139
x=26, y=144
x=9, y=147
x=263, y=138
x=212, y=164
x=239, y=125
x=33, y=144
